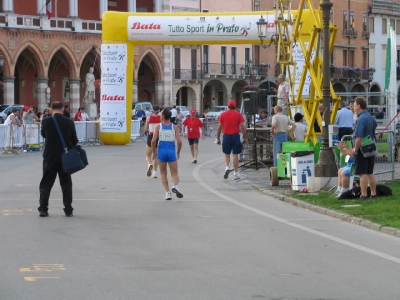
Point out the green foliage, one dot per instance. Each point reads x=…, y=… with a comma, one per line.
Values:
x=383, y=210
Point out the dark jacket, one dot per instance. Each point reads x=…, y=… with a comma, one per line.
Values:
x=53, y=146
x=66, y=114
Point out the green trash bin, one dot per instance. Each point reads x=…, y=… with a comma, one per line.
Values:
x=283, y=165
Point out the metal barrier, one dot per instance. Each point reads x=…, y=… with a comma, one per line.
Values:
x=136, y=132
x=210, y=125
x=385, y=160
x=14, y=139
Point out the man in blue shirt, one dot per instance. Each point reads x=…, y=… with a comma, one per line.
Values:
x=364, y=166
x=344, y=119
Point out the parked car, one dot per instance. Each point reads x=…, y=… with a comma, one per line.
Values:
x=4, y=111
x=216, y=111
x=142, y=105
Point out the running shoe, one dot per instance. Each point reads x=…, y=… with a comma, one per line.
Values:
x=154, y=174
x=177, y=192
x=195, y=161
x=168, y=196
x=227, y=173
x=237, y=177
x=149, y=170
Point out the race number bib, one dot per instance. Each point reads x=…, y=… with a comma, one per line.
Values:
x=151, y=127
x=167, y=135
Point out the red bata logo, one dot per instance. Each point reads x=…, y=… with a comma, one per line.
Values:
x=137, y=25
x=116, y=97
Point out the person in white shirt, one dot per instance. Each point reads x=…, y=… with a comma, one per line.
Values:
x=282, y=93
x=174, y=113
x=13, y=118
x=300, y=130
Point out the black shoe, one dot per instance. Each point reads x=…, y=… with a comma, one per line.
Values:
x=374, y=197
x=43, y=214
x=363, y=198
x=195, y=161
x=70, y=214
x=227, y=173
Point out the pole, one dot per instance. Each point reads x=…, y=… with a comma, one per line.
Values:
x=326, y=166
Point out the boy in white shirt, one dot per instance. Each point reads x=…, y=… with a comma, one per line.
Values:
x=300, y=130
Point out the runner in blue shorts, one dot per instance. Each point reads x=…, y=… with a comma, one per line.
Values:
x=166, y=132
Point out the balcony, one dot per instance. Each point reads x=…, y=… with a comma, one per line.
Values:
x=187, y=74
x=350, y=33
x=233, y=70
x=365, y=35
x=384, y=7
x=351, y=74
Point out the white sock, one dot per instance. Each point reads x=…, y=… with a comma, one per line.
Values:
x=344, y=190
x=226, y=168
x=338, y=189
x=235, y=173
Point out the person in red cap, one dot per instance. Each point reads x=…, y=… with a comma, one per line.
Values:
x=191, y=130
x=231, y=123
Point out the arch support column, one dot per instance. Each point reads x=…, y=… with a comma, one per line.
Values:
x=8, y=90
x=42, y=84
x=158, y=92
x=135, y=91
x=74, y=94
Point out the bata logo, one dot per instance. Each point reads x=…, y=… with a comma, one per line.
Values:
x=115, y=98
x=271, y=25
x=138, y=25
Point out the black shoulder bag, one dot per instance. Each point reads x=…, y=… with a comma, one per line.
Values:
x=73, y=160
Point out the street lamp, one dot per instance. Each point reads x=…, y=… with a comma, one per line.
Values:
x=262, y=26
x=250, y=69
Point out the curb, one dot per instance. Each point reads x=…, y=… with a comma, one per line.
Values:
x=332, y=213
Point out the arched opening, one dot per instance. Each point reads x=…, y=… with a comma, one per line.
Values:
x=215, y=93
x=339, y=88
x=237, y=92
x=146, y=79
x=91, y=59
x=268, y=85
x=185, y=96
x=375, y=99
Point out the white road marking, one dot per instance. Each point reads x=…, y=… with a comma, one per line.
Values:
x=292, y=224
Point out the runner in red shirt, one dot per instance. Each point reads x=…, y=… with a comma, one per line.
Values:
x=191, y=130
x=231, y=123
x=152, y=161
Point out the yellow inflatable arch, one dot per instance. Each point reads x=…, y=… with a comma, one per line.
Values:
x=121, y=31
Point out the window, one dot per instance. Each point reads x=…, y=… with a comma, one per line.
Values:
x=371, y=24
x=205, y=58
x=206, y=10
x=233, y=60
x=246, y=59
x=398, y=27
x=345, y=20
x=364, y=59
x=393, y=24
x=256, y=61
x=193, y=54
x=352, y=19
x=364, y=22
x=256, y=5
x=351, y=58
x=344, y=57
x=177, y=56
x=223, y=60
x=384, y=26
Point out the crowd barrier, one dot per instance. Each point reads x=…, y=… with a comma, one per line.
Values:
x=136, y=132
x=27, y=137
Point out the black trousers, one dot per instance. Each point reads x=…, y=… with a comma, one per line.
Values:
x=50, y=171
x=344, y=131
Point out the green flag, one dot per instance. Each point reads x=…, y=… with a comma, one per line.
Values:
x=388, y=58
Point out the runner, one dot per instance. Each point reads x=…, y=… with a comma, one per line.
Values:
x=193, y=126
x=167, y=133
x=152, y=162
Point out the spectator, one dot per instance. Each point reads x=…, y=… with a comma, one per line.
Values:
x=140, y=113
x=52, y=160
x=344, y=120
x=81, y=115
x=300, y=130
x=12, y=118
x=282, y=93
x=279, y=131
x=364, y=166
x=66, y=112
x=46, y=114
x=351, y=107
x=344, y=172
x=263, y=120
x=380, y=114
x=29, y=116
x=174, y=112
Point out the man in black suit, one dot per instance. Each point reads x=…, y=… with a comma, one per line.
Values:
x=66, y=112
x=52, y=159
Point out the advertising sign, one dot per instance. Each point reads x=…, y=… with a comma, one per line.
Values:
x=113, y=88
x=197, y=28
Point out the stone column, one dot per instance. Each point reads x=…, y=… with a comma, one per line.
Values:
x=8, y=90
x=135, y=90
x=103, y=4
x=43, y=102
x=131, y=5
x=157, y=5
x=73, y=9
x=159, y=91
x=74, y=95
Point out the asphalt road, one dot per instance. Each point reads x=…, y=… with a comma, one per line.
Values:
x=223, y=240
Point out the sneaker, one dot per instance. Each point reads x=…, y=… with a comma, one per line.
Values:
x=363, y=198
x=168, y=196
x=149, y=170
x=195, y=161
x=43, y=214
x=338, y=195
x=227, y=173
x=69, y=214
x=374, y=197
x=237, y=177
x=154, y=174
x=177, y=192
